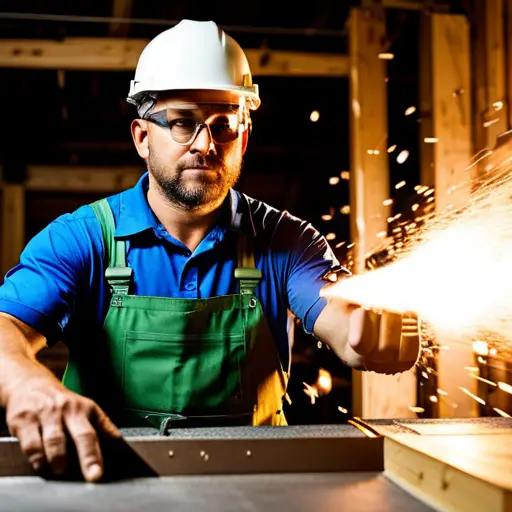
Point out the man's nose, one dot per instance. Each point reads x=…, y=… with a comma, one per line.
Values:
x=203, y=143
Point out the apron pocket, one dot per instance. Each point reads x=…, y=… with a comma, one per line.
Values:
x=180, y=373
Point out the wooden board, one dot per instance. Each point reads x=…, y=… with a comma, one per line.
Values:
x=374, y=395
x=456, y=473
x=13, y=225
x=107, y=180
x=452, y=127
x=111, y=54
x=451, y=464
x=489, y=81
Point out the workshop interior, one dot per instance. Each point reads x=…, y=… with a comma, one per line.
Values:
x=387, y=124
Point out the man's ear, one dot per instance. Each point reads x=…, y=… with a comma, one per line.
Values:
x=139, y=129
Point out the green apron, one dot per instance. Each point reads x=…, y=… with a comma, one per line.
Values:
x=198, y=362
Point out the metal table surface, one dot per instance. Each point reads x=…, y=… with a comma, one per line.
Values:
x=322, y=492
x=301, y=468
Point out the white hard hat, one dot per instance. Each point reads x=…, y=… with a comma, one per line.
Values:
x=193, y=55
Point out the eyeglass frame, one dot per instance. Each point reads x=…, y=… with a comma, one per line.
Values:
x=160, y=119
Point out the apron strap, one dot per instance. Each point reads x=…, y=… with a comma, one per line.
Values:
x=247, y=274
x=118, y=275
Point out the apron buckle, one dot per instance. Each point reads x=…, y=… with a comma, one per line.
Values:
x=248, y=279
x=119, y=279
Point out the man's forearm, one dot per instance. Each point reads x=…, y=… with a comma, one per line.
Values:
x=17, y=357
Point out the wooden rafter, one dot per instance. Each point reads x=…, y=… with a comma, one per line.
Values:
x=111, y=54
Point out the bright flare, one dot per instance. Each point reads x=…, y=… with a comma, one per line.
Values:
x=456, y=273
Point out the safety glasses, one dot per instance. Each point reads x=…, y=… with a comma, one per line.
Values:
x=186, y=121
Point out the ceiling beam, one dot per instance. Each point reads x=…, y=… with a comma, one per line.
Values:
x=120, y=9
x=112, y=54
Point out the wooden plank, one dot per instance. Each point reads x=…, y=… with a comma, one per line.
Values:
x=426, y=107
x=374, y=395
x=508, y=57
x=413, y=5
x=13, y=224
x=491, y=106
x=461, y=472
x=81, y=179
x=122, y=55
x=452, y=128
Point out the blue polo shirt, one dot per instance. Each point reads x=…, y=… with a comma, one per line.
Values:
x=59, y=288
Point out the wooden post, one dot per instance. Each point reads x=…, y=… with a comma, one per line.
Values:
x=490, y=98
x=374, y=395
x=425, y=88
x=508, y=57
x=120, y=9
x=13, y=224
x=451, y=125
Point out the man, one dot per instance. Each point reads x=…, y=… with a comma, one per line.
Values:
x=172, y=296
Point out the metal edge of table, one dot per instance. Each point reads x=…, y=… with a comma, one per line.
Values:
x=134, y=456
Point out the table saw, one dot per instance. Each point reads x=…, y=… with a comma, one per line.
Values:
x=388, y=465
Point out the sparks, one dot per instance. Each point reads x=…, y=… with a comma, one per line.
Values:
x=505, y=387
x=474, y=397
x=454, y=272
x=483, y=380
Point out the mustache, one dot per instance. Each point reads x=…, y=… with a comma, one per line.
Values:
x=198, y=162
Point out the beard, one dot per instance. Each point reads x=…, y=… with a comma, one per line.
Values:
x=208, y=187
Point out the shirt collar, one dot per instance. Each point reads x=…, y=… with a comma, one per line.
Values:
x=136, y=216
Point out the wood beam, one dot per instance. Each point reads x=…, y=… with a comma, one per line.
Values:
x=491, y=108
x=120, y=9
x=13, y=225
x=452, y=118
x=122, y=55
x=81, y=179
x=425, y=87
x=374, y=395
x=411, y=5
x=508, y=57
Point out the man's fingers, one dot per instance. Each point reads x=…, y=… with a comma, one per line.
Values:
x=363, y=330
x=31, y=444
x=54, y=442
x=389, y=336
x=87, y=445
x=102, y=422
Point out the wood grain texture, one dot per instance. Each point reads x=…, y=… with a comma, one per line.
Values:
x=452, y=127
x=374, y=395
x=461, y=472
x=111, y=54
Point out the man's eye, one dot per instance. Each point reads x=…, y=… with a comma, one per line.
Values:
x=220, y=127
x=183, y=123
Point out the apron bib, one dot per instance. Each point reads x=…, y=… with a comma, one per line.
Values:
x=183, y=362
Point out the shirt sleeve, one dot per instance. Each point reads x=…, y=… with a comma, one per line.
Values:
x=54, y=268
x=309, y=260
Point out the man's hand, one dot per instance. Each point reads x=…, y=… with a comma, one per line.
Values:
x=388, y=342
x=41, y=413
x=368, y=340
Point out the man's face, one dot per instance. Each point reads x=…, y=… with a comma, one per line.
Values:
x=201, y=173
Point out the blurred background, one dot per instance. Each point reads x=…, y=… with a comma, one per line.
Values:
x=65, y=69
